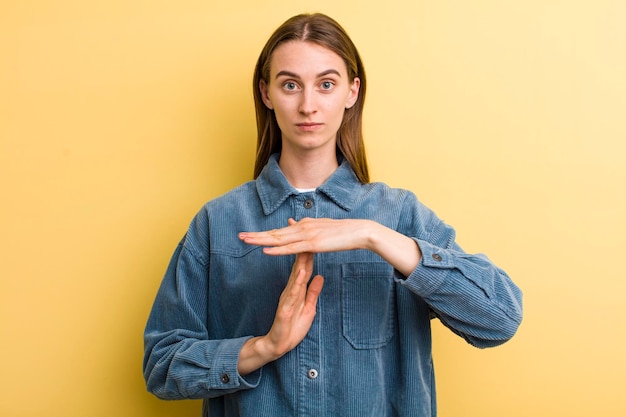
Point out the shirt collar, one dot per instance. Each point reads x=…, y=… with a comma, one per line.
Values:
x=273, y=188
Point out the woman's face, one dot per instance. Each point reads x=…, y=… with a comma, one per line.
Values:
x=309, y=91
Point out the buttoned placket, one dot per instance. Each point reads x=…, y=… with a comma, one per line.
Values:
x=310, y=370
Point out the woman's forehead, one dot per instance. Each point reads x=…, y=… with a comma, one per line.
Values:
x=302, y=57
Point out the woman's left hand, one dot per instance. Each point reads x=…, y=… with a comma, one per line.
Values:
x=312, y=235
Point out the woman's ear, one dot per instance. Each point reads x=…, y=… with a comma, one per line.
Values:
x=265, y=95
x=354, y=92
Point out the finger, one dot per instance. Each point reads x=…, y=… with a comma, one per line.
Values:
x=281, y=236
x=267, y=238
x=294, y=292
x=313, y=293
x=304, y=260
x=289, y=249
x=300, y=272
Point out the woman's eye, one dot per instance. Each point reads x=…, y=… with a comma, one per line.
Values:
x=290, y=86
x=327, y=85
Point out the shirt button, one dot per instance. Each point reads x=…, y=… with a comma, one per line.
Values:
x=312, y=373
x=308, y=204
x=225, y=378
x=437, y=257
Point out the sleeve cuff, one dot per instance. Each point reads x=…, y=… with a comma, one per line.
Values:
x=432, y=269
x=224, y=375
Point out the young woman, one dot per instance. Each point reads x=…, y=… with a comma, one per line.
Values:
x=310, y=290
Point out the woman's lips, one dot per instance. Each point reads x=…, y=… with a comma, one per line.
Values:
x=309, y=126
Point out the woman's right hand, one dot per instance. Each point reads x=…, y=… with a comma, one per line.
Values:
x=294, y=316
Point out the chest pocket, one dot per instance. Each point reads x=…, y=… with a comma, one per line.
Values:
x=367, y=304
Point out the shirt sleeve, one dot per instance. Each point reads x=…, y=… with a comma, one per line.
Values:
x=179, y=359
x=469, y=294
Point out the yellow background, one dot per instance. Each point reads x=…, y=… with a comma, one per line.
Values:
x=120, y=118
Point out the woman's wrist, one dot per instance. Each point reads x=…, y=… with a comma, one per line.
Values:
x=399, y=250
x=254, y=354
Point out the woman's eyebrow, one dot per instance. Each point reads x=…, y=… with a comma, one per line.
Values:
x=328, y=72
x=294, y=75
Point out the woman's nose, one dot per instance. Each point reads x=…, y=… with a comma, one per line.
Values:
x=307, y=102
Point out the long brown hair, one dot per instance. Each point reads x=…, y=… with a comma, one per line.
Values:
x=322, y=30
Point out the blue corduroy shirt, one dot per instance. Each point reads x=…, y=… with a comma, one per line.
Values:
x=369, y=350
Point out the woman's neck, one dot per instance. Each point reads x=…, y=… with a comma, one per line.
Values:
x=307, y=171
